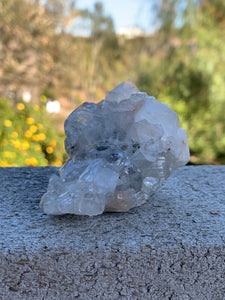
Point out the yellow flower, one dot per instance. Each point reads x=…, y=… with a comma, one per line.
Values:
x=42, y=136
x=27, y=161
x=25, y=145
x=9, y=154
x=16, y=144
x=0, y=133
x=53, y=143
x=8, y=123
x=29, y=121
x=28, y=134
x=58, y=163
x=40, y=126
x=36, y=107
x=20, y=106
x=31, y=161
x=33, y=128
x=49, y=150
x=39, y=137
x=34, y=161
x=36, y=138
x=14, y=134
x=4, y=163
x=43, y=98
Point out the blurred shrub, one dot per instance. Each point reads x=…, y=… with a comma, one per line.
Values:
x=191, y=92
x=187, y=72
x=27, y=136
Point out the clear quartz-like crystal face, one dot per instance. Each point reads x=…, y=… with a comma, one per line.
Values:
x=120, y=151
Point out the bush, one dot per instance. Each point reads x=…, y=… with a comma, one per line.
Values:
x=27, y=136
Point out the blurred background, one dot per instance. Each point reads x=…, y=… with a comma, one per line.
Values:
x=56, y=54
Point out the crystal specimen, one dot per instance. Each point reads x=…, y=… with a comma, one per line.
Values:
x=120, y=151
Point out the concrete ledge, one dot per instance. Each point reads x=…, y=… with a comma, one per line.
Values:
x=173, y=247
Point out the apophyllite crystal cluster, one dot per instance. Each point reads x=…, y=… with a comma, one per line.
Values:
x=120, y=151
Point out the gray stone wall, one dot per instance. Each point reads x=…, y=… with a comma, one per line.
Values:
x=172, y=247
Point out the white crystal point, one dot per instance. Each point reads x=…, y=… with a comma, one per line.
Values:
x=122, y=91
x=121, y=150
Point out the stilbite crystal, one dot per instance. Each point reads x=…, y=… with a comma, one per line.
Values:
x=120, y=151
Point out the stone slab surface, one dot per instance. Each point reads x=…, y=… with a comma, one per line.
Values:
x=173, y=247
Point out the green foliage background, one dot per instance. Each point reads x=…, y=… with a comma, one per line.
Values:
x=27, y=136
x=182, y=63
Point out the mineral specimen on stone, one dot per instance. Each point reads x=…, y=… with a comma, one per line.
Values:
x=120, y=151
